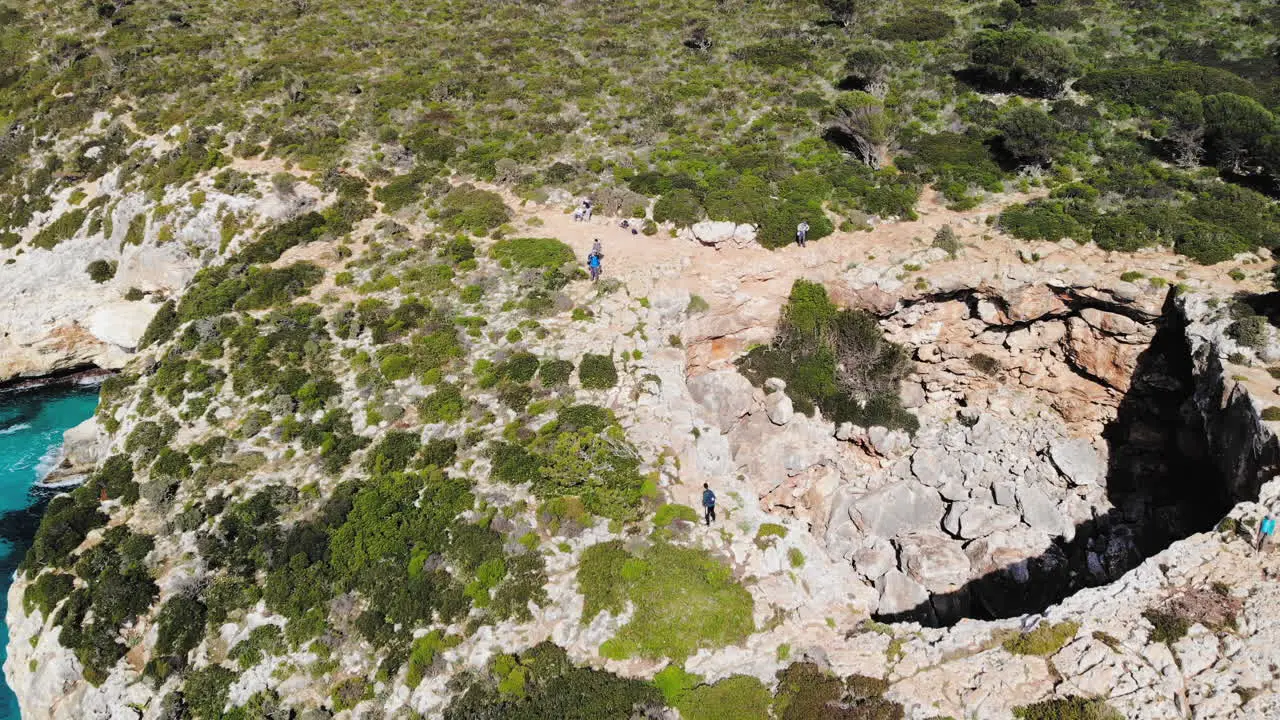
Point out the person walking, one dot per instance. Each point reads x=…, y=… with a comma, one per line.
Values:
x=597, y=248
x=586, y=209
x=802, y=232
x=708, y=504
x=1265, y=530
x=593, y=265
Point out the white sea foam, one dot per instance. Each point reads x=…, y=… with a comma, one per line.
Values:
x=15, y=428
x=48, y=462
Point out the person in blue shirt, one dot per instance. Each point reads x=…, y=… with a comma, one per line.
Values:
x=1265, y=530
x=708, y=504
x=593, y=264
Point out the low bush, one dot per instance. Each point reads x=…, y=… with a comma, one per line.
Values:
x=684, y=599
x=64, y=228
x=836, y=360
x=445, y=405
x=1070, y=707
x=542, y=683
x=597, y=372
x=917, y=25
x=101, y=271
x=552, y=373
x=1046, y=639
x=541, y=253
x=393, y=453
x=471, y=210
x=739, y=696
x=680, y=207
x=180, y=624
x=46, y=591
x=1250, y=331
x=275, y=241
x=673, y=512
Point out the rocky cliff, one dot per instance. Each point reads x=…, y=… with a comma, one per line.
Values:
x=1016, y=548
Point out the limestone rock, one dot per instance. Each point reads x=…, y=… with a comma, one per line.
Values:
x=715, y=233
x=1077, y=460
x=778, y=406
x=980, y=519
x=875, y=558
x=933, y=560
x=725, y=394
x=936, y=467
x=899, y=593
x=896, y=508
x=1039, y=512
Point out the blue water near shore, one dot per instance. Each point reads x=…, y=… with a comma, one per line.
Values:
x=31, y=427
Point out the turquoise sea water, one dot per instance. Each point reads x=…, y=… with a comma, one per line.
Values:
x=31, y=427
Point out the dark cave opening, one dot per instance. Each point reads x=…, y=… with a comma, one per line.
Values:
x=1161, y=482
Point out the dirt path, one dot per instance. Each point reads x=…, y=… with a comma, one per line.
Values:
x=894, y=249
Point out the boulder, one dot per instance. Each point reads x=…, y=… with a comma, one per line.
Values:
x=897, y=508
x=715, y=233
x=899, y=594
x=1100, y=355
x=1077, y=460
x=778, y=406
x=935, y=467
x=933, y=560
x=875, y=558
x=725, y=394
x=981, y=519
x=888, y=443
x=1040, y=512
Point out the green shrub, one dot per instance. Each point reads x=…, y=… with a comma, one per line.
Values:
x=471, y=210
x=205, y=691
x=1070, y=707
x=262, y=641
x=834, y=359
x=64, y=228
x=1271, y=414
x=424, y=652
x=680, y=207
x=684, y=599
x=1167, y=627
x=674, y=683
x=1250, y=331
x=552, y=373
x=543, y=253
x=101, y=271
x=739, y=696
x=445, y=405
x=181, y=624
x=542, y=683
x=597, y=372
x=1029, y=135
x=136, y=231
x=1042, y=220
x=1023, y=60
x=805, y=691
x=1155, y=84
x=917, y=25
x=1045, y=640
x=274, y=242
x=672, y=512
x=393, y=452
x=778, y=220
x=46, y=591
x=349, y=693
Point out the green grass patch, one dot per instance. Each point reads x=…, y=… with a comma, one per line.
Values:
x=684, y=599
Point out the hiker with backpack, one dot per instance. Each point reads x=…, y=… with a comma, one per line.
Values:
x=708, y=504
x=802, y=232
x=593, y=265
